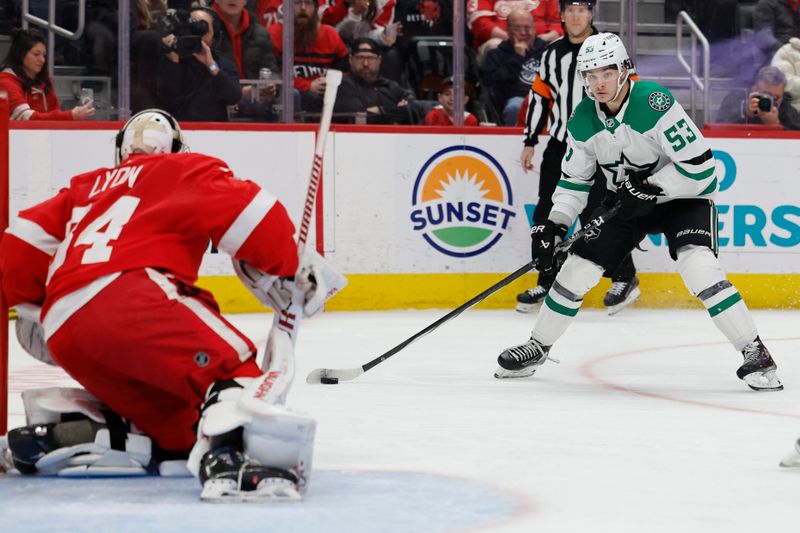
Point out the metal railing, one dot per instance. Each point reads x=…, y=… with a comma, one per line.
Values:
x=694, y=81
x=53, y=28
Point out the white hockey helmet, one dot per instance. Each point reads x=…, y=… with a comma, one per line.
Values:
x=604, y=50
x=152, y=131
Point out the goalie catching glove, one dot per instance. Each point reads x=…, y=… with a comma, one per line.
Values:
x=317, y=280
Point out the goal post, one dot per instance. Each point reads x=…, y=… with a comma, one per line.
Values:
x=4, y=191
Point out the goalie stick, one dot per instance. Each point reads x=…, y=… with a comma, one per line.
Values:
x=332, y=376
x=289, y=319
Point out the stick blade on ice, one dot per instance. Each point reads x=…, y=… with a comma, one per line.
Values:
x=343, y=374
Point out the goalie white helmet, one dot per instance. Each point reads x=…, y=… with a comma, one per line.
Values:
x=604, y=50
x=151, y=131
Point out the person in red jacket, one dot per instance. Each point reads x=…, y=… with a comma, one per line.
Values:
x=30, y=90
x=487, y=20
x=317, y=47
x=442, y=115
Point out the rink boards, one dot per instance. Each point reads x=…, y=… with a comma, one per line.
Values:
x=429, y=217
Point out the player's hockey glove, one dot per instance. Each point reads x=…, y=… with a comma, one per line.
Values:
x=636, y=197
x=544, y=238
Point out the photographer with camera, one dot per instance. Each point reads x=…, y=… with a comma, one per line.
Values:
x=194, y=82
x=763, y=105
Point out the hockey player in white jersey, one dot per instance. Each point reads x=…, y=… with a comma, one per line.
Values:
x=661, y=171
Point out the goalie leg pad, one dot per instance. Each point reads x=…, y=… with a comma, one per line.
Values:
x=273, y=436
x=78, y=448
x=48, y=405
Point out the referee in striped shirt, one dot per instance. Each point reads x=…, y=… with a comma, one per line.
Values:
x=555, y=93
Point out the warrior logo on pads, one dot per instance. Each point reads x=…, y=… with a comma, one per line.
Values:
x=462, y=203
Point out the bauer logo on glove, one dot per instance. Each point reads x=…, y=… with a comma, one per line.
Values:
x=637, y=197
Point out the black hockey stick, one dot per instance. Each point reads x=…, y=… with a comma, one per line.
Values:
x=332, y=376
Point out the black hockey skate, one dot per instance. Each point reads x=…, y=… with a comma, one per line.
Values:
x=621, y=294
x=758, y=369
x=229, y=475
x=522, y=361
x=526, y=301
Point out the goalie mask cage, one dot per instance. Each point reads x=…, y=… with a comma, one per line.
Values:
x=4, y=164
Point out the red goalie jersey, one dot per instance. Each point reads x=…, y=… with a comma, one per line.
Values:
x=157, y=211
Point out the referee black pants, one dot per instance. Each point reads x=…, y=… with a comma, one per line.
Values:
x=549, y=174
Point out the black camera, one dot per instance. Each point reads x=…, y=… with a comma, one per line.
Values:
x=187, y=31
x=765, y=102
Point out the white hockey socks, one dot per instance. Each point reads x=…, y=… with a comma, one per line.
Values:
x=576, y=277
x=703, y=276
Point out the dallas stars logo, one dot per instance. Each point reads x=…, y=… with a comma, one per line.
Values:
x=612, y=168
x=659, y=101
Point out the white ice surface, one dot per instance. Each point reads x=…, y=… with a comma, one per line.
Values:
x=643, y=427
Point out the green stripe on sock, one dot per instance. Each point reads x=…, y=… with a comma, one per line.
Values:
x=560, y=309
x=724, y=304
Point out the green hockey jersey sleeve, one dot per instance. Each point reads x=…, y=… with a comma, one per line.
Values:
x=691, y=170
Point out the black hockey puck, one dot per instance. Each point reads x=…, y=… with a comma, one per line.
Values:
x=329, y=381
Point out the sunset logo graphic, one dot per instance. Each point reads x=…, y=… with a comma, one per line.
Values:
x=462, y=203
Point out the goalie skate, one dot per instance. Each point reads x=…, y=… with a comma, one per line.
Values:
x=758, y=369
x=228, y=476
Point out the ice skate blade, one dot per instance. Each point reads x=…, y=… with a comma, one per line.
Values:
x=632, y=297
x=527, y=308
x=502, y=373
x=271, y=489
x=763, y=381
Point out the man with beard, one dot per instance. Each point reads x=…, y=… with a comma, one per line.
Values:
x=317, y=47
x=363, y=90
x=509, y=69
x=555, y=93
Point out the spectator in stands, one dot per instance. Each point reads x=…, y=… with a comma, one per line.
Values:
x=765, y=104
x=269, y=12
x=317, y=47
x=145, y=52
x=509, y=69
x=788, y=61
x=245, y=42
x=780, y=18
x=487, y=21
x=422, y=18
x=23, y=75
x=362, y=21
x=363, y=90
x=442, y=115
x=199, y=86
